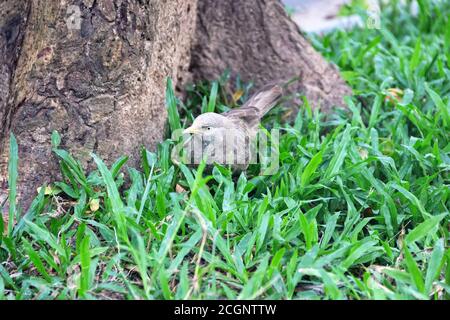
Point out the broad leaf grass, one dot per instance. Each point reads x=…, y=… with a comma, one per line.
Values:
x=357, y=210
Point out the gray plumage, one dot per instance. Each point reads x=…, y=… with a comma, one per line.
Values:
x=229, y=138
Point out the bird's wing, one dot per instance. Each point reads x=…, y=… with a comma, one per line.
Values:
x=249, y=115
x=258, y=105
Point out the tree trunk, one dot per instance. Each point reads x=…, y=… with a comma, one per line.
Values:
x=100, y=83
x=99, y=80
x=257, y=40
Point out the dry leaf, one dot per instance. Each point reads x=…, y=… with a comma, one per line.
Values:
x=48, y=190
x=237, y=95
x=94, y=204
x=363, y=153
x=179, y=189
x=394, y=95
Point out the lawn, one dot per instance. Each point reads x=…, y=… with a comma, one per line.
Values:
x=359, y=208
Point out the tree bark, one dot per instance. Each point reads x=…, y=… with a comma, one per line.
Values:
x=258, y=41
x=101, y=83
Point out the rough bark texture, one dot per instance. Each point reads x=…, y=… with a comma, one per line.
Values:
x=13, y=16
x=102, y=85
x=257, y=40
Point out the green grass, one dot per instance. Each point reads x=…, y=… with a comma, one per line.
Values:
x=357, y=210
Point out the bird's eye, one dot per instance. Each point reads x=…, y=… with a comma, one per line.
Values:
x=209, y=128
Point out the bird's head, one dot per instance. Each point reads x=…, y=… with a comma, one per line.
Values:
x=207, y=123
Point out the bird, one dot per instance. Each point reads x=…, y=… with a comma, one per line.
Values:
x=229, y=138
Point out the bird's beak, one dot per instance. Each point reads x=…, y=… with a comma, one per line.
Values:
x=191, y=130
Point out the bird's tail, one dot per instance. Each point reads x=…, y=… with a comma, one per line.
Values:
x=264, y=99
x=258, y=105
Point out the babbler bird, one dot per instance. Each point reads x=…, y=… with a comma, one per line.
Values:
x=229, y=138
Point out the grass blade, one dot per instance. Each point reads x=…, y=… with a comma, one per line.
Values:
x=12, y=181
x=171, y=105
x=310, y=168
x=213, y=97
x=424, y=228
x=414, y=271
x=85, y=261
x=434, y=265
